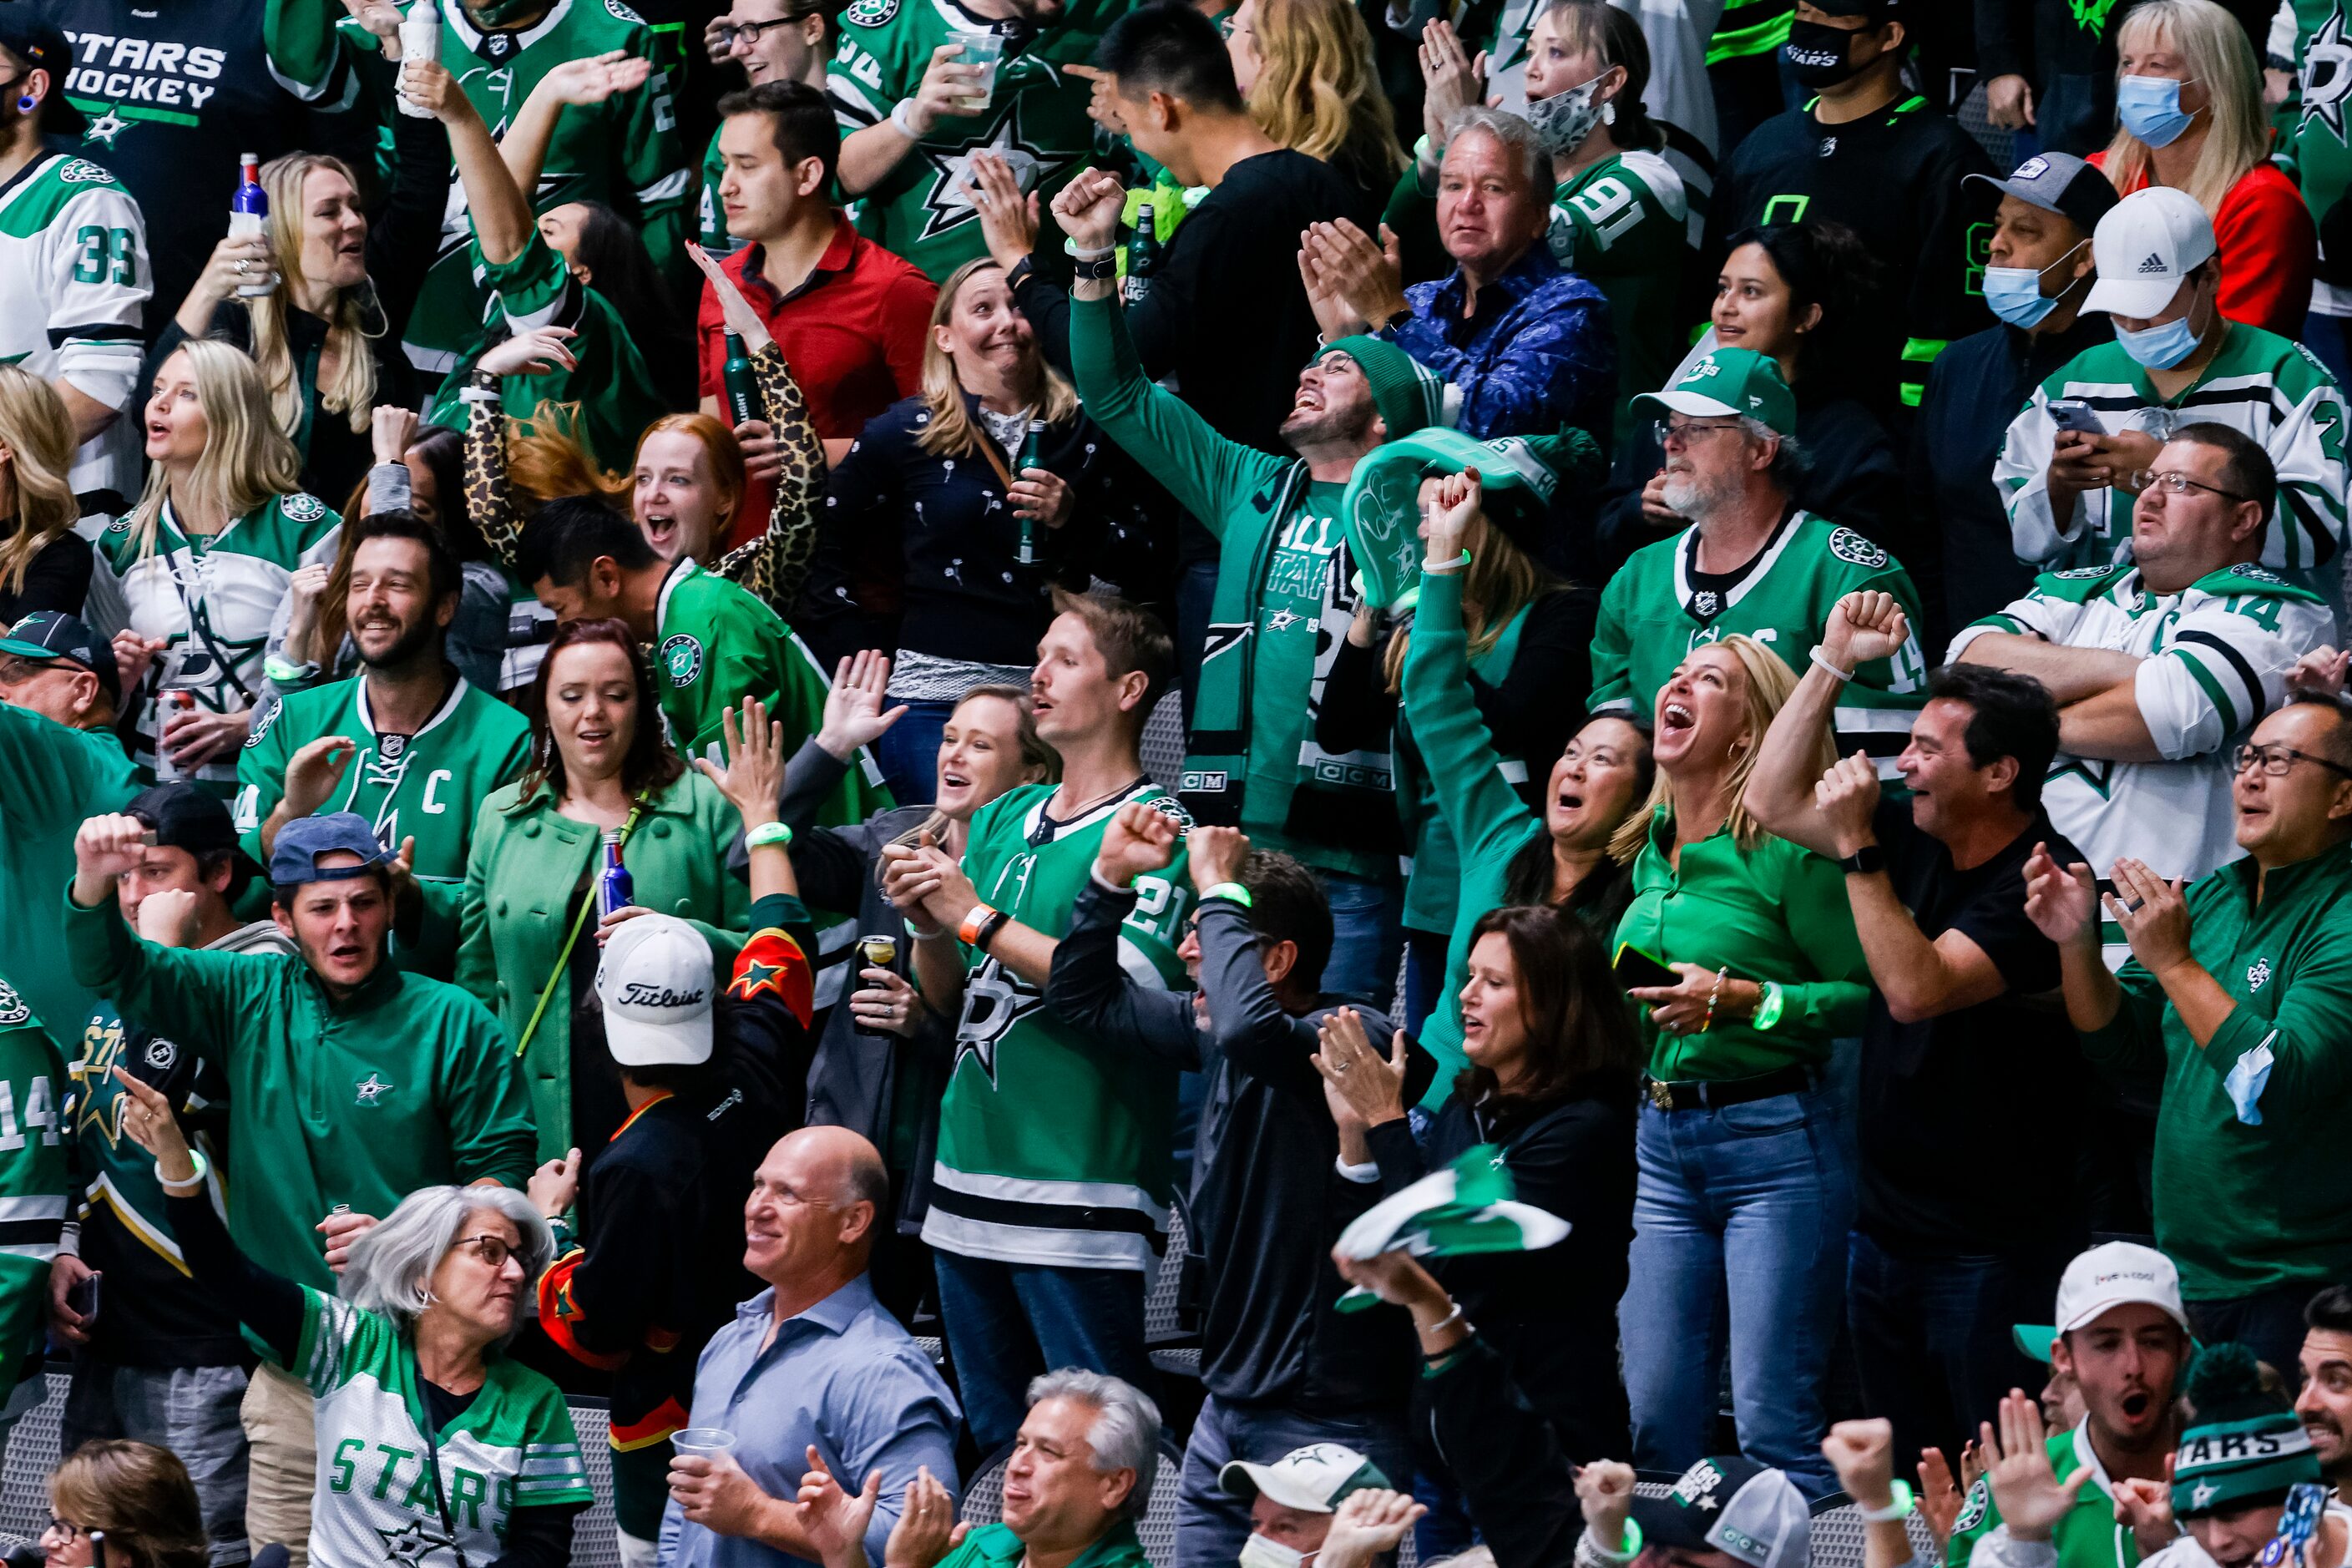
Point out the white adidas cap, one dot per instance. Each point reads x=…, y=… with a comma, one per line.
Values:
x=655, y=981
x=2144, y=247
x=2115, y=1274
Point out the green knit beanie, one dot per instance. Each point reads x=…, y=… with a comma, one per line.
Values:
x=2244, y=1443
x=1408, y=394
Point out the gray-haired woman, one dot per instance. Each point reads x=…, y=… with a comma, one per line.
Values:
x=433, y=1447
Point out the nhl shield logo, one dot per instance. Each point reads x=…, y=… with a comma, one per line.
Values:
x=390, y=747
x=161, y=1054
x=682, y=658
x=13, y=1009
x=2258, y=975
x=1705, y=602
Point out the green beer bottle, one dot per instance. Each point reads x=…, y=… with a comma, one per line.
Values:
x=742, y=385
x=1026, y=553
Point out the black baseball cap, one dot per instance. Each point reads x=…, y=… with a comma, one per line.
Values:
x=2062, y=184
x=1875, y=11
x=1731, y=1504
x=183, y=817
x=38, y=44
x=48, y=637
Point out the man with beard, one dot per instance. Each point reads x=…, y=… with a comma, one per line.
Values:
x=2324, y=1405
x=1752, y=560
x=408, y=742
x=2123, y=1335
x=2240, y=1456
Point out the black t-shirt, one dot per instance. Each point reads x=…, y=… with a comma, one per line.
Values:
x=1986, y=1091
x=58, y=578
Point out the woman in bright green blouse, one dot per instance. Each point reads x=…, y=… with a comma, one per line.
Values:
x=1507, y=854
x=1745, y=1184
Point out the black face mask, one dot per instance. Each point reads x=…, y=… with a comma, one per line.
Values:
x=1819, y=55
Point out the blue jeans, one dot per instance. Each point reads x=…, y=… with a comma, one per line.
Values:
x=1931, y=1338
x=1008, y=1322
x=1748, y=1205
x=908, y=752
x=190, y=1411
x=1424, y=975
x=1366, y=937
x=1211, y=1523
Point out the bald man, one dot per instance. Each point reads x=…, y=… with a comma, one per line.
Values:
x=812, y=1363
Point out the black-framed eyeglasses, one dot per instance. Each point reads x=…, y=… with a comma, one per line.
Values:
x=493, y=1250
x=730, y=33
x=2276, y=760
x=2176, y=483
x=1687, y=429
x=71, y=1530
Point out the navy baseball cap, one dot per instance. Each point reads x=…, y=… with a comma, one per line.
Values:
x=2058, y=183
x=46, y=636
x=295, y=858
x=41, y=46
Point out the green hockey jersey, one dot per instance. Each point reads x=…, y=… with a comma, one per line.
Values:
x=1055, y=1147
x=211, y=599
x=514, y=1446
x=2088, y=1536
x=709, y=221
x=1036, y=119
x=1623, y=224
x=2260, y=384
x=32, y=1175
x=624, y=151
x=1653, y=612
x=52, y=778
x=2312, y=144
x=718, y=644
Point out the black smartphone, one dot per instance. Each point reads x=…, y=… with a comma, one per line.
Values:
x=82, y=1297
x=1635, y=967
x=98, y=1549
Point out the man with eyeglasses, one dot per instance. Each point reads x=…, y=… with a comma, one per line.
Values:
x=2161, y=663
x=2239, y=991
x=773, y=40
x=1752, y=560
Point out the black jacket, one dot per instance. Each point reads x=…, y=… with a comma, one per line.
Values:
x=1964, y=565
x=1268, y=1202
x=1552, y=1314
x=1518, y=1484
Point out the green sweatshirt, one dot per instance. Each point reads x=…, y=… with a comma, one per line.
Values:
x=51, y=777
x=1776, y=912
x=406, y=1083
x=2243, y=1202
x=1231, y=487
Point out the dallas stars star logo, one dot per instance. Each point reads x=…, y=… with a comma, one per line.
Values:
x=413, y=1542
x=105, y=128
x=994, y=1000
x=372, y=1089
x=2205, y=1493
x=2327, y=76
x=1283, y=620
x=100, y=1098
x=948, y=205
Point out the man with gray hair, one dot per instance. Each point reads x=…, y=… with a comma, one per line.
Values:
x=1752, y=560
x=1522, y=346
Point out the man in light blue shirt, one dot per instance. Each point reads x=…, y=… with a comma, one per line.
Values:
x=813, y=1361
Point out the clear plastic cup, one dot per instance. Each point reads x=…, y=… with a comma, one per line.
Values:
x=985, y=50
x=706, y=1442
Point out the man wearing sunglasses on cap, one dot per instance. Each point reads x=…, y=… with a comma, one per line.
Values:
x=2239, y=992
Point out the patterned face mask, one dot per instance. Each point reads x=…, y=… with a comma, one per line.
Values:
x=1564, y=120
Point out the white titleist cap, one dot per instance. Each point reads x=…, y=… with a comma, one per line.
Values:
x=655, y=983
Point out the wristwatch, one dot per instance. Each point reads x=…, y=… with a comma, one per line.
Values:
x=1864, y=861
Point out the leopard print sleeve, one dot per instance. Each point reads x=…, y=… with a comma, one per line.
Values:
x=489, y=500
x=774, y=565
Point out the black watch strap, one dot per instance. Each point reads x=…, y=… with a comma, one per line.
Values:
x=1864, y=861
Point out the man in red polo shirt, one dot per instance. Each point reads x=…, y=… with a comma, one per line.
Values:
x=849, y=316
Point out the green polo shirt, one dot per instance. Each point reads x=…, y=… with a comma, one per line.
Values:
x=2242, y=1203
x=995, y=1546
x=1775, y=912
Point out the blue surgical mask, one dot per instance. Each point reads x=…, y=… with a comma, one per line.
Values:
x=2160, y=348
x=2149, y=107
x=2014, y=293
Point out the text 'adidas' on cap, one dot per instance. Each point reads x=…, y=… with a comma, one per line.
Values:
x=2152, y=241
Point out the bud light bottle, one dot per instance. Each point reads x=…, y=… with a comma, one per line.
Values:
x=1026, y=554
x=248, y=215
x=742, y=384
x=1142, y=256
x=616, y=889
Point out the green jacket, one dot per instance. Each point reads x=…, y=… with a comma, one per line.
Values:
x=2087, y=1537
x=527, y=862
x=403, y=1084
x=995, y=1546
x=50, y=778
x=34, y=1085
x=2241, y=1203
x=1776, y=912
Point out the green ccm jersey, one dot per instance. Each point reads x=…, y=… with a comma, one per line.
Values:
x=32, y=1173
x=1623, y=223
x=625, y=153
x=1055, y=1147
x=425, y=787
x=1036, y=119
x=211, y=599
x=2313, y=143
x=718, y=644
x=1653, y=614
x=374, y=1501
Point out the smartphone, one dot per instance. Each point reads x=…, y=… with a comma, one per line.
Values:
x=2075, y=415
x=1635, y=967
x=98, y=1549
x=82, y=1297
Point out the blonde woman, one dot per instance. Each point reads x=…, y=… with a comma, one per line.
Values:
x=1305, y=70
x=1746, y=1178
x=2189, y=111
x=327, y=334
x=205, y=558
x=937, y=473
x=44, y=564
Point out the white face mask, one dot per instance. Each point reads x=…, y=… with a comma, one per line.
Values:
x=1564, y=120
x=1257, y=1551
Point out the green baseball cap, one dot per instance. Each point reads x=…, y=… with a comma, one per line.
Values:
x=1729, y=382
x=2033, y=1339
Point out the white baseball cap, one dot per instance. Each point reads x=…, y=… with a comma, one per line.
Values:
x=655, y=981
x=2116, y=1274
x=1312, y=1479
x=1731, y=1504
x=2144, y=247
